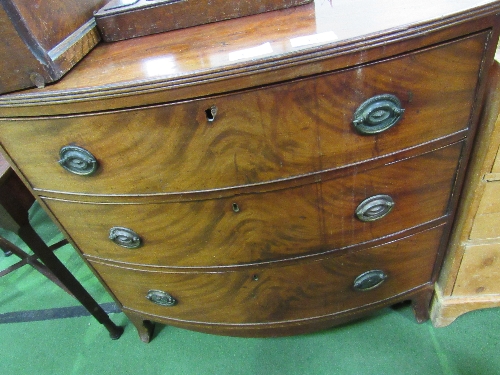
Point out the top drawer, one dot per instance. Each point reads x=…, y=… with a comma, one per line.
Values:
x=258, y=135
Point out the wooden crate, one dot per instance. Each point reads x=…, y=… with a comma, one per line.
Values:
x=43, y=39
x=470, y=278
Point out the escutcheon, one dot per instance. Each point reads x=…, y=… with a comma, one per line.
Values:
x=378, y=114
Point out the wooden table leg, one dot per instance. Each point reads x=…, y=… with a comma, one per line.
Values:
x=16, y=199
x=62, y=273
x=32, y=260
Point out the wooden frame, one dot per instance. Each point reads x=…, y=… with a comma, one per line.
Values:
x=469, y=279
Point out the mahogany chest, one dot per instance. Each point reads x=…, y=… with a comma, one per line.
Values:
x=269, y=175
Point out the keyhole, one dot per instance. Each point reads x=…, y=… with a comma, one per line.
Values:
x=210, y=113
x=236, y=208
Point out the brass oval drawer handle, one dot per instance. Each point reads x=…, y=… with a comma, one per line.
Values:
x=369, y=280
x=161, y=298
x=374, y=208
x=125, y=237
x=378, y=114
x=77, y=160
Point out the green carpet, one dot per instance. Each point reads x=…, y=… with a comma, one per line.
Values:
x=391, y=342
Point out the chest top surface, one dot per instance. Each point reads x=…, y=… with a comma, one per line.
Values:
x=245, y=52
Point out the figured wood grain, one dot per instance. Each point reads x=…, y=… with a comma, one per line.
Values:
x=270, y=226
x=260, y=135
x=418, y=296
x=278, y=294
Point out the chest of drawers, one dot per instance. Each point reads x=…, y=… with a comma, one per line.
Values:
x=271, y=175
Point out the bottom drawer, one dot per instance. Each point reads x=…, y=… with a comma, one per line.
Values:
x=282, y=292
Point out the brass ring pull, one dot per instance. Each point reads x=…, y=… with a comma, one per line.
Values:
x=77, y=160
x=369, y=280
x=374, y=208
x=161, y=298
x=125, y=237
x=377, y=114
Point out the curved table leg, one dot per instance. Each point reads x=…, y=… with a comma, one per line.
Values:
x=35, y=243
x=16, y=200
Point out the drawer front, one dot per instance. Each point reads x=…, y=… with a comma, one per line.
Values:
x=259, y=135
x=487, y=220
x=479, y=272
x=281, y=293
x=267, y=226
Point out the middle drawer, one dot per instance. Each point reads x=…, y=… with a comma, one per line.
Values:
x=267, y=226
